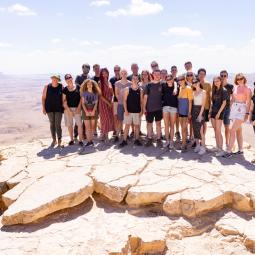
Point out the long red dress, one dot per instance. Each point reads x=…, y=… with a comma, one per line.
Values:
x=105, y=112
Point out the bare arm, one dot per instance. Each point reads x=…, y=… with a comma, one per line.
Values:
x=125, y=101
x=145, y=98
x=117, y=92
x=44, y=98
x=203, y=104
x=222, y=107
x=141, y=102
x=78, y=110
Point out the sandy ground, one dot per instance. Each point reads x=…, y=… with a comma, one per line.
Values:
x=21, y=116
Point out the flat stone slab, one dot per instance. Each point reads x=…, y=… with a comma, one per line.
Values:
x=49, y=194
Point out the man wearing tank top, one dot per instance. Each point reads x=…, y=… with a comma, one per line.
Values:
x=132, y=103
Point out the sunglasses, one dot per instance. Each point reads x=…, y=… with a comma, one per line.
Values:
x=239, y=79
x=116, y=70
x=169, y=79
x=189, y=75
x=154, y=66
x=183, y=79
x=223, y=76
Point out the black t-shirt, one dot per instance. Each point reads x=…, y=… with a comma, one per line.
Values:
x=80, y=79
x=168, y=97
x=154, y=93
x=112, y=81
x=131, y=76
x=253, y=100
x=72, y=97
x=53, y=101
x=229, y=88
x=96, y=79
x=217, y=99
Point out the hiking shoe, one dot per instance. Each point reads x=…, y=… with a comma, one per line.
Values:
x=81, y=143
x=123, y=143
x=194, y=145
x=238, y=153
x=71, y=143
x=148, y=143
x=138, y=143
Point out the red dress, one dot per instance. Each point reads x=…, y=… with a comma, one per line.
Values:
x=105, y=112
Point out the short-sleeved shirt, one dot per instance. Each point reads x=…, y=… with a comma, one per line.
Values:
x=122, y=88
x=208, y=88
x=90, y=99
x=154, y=93
x=186, y=93
x=229, y=88
x=96, y=79
x=80, y=79
x=217, y=99
x=72, y=97
x=113, y=80
x=169, y=98
x=130, y=77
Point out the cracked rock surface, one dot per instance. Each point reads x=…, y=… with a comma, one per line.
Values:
x=136, y=200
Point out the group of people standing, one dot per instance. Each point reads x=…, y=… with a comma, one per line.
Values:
x=185, y=102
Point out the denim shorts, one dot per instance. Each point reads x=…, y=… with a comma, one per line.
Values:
x=169, y=109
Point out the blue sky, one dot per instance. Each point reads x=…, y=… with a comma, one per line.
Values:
x=58, y=36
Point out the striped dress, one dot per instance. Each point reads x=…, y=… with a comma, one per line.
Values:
x=105, y=112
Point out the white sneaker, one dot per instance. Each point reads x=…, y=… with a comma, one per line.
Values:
x=197, y=148
x=166, y=145
x=220, y=153
x=171, y=145
x=202, y=150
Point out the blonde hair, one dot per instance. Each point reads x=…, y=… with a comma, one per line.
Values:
x=242, y=76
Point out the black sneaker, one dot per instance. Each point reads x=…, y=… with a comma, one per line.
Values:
x=123, y=143
x=228, y=155
x=71, y=143
x=159, y=143
x=148, y=143
x=81, y=143
x=238, y=153
x=89, y=144
x=116, y=139
x=138, y=143
x=194, y=145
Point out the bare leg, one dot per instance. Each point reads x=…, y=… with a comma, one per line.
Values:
x=166, y=117
x=126, y=131
x=137, y=131
x=183, y=122
x=88, y=130
x=158, y=129
x=80, y=132
x=149, y=130
x=219, y=138
x=70, y=131
x=227, y=134
x=172, y=123
x=239, y=137
x=235, y=126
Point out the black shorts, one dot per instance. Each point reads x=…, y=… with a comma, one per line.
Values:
x=206, y=115
x=213, y=115
x=183, y=116
x=158, y=115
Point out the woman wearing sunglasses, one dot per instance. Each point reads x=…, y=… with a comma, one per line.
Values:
x=170, y=105
x=240, y=107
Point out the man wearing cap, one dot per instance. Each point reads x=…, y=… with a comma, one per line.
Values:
x=72, y=105
x=52, y=105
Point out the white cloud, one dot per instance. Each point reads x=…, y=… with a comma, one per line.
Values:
x=252, y=40
x=137, y=8
x=100, y=3
x=5, y=45
x=182, y=31
x=89, y=43
x=21, y=10
x=56, y=40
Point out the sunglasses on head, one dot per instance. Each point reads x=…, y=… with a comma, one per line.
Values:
x=169, y=79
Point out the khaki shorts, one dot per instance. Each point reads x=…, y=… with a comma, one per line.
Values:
x=132, y=118
x=69, y=118
x=115, y=106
